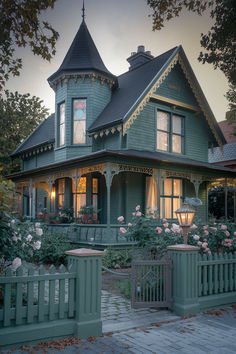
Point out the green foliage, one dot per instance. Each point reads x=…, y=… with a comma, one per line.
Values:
x=19, y=239
x=124, y=287
x=213, y=237
x=7, y=195
x=53, y=248
x=20, y=115
x=116, y=258
x=21, y=26
x=216, y=202
x=66, y=215
x=231, y=114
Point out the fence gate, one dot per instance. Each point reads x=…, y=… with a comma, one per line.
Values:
x=151, y=283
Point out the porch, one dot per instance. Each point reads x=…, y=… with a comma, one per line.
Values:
x=112, y=183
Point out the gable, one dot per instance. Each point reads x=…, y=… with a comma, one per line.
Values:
x=176, y=87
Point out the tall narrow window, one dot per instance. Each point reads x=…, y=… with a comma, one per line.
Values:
x=170, y=135
x=151, y=196
x=61, y=192
x=171, y=194
x=79, y=121
x=61, y=124
x=80, y=193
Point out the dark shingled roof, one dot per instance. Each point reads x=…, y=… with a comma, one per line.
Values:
x=82, y=55
x=131, y=85
x=42, y=135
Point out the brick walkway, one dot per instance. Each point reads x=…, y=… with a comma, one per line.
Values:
x=141, y=331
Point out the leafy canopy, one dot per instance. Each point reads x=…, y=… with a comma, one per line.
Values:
x=19, y=116
x=20, y=26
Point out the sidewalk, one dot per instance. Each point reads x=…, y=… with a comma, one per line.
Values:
x=126, y=330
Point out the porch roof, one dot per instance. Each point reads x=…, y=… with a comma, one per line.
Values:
x=151, y=158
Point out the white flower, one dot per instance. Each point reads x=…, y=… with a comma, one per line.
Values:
x=196, y=237
x=129, y=224
x=194, y=227
x=16, y=263
x=36, y=245
x=37, y=224
x=13, y=222
x=29, y=238
x=14, y=238
x=39, y=231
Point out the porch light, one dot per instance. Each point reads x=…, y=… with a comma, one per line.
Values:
x=53, y=194
x=185, y=215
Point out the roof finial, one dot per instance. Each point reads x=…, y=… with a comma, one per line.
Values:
x=83, y=12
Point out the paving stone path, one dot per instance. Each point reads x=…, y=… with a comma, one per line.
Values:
x=155, y=331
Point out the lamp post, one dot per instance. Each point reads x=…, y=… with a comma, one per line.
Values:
x=185, y=215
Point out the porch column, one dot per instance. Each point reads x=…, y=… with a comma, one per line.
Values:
x=76, y=183
x=235, y=204
x=226, y=199
x=30, y=198
x=33, y=202
x=50, y=195
x=108, y=184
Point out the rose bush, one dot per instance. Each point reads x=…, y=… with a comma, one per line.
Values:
x=150, y=233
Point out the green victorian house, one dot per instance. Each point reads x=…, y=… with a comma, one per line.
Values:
x=115, y=142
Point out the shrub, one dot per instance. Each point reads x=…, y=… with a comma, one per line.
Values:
x=53, y=249
x=156, y=235
x=117, y=258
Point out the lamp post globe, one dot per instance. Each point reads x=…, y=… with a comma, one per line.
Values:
x=185, y=215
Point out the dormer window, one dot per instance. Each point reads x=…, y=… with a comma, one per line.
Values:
x=170, y=136
x=79, y=121
x=62, y=124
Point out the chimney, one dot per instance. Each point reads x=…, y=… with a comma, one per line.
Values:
x=140, y=57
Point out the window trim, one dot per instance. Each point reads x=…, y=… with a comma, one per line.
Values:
x=162, y=195
x=170, y=132
x=72, y=121
x=59, y=124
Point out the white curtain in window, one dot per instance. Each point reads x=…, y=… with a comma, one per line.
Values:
x=151, y=195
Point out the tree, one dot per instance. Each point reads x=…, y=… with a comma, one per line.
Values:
x=231, y=114
x=219, y=43
x=19, y=115
x=20, y=26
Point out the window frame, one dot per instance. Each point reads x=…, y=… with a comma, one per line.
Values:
x=60, y=124
x=170, y=132
x=73, y=120
x=171, y=196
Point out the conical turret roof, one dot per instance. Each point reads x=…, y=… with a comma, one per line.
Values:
x=82, y=56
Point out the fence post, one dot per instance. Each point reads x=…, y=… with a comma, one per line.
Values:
x=87, y=264
x=185, y=279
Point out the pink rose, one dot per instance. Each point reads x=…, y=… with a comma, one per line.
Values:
x=133, y=214
x=23, y=245
x=159, y=229
x=137, y=208
x=138, y=213
x=166, y=224
x=205, y=244
x=213, y=228
x=199, y=243
x=164, y=220
x=205, y=227
x=209, y=252
x=196, y=237
x=227, y=233
x=223, y=227
x=37, y=245
x=206, y=232
x=39, y=231
x=234, y=233
x=207, y=249
x=37, y=224
x=14, y=238
x=167, y=230
x=16, y=263
x=121, y=218
x=29, y=238
x=123, y=230
x=175, y=228
x=194, y=227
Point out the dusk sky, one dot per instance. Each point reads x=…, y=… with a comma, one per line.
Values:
x=117, y=28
